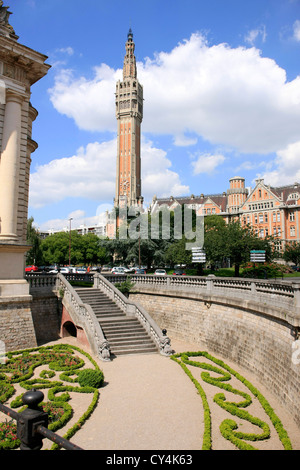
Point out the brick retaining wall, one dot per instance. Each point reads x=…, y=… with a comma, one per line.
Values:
x=16, y=325
x=27, y=322
x=46, y=315
x=257, y=342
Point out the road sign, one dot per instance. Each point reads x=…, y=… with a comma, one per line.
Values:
x=198, y=255
x=257, y=256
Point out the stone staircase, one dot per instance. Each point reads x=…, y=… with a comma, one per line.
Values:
x=124, y=334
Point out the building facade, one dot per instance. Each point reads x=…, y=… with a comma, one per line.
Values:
x=20, y=68
x=129, y=114
x=268, y=210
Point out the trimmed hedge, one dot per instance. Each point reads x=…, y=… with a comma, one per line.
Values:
x=20, y=367
x=229, y=427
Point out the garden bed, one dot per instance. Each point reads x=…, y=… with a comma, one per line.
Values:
x=63, y=372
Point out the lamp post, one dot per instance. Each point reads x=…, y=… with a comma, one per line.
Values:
x=70, y=242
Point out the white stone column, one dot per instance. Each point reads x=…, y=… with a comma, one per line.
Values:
x=9, y=167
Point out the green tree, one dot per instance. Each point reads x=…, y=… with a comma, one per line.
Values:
x=177, y=253
x=55, y=248
x=214, y=238
x=240, y=240
x=34, y=255
x=292, y=252
x=86, y=249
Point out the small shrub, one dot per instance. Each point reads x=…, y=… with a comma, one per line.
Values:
x=125, y=286
x=91, y=378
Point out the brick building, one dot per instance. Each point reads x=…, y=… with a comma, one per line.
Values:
x=269, y=210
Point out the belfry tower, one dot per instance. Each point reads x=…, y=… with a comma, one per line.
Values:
x=129, y=113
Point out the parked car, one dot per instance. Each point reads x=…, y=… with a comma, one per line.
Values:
x=295, y=268
x=81, y=270
x=106, y=269
x=129, y=270
x=179, y=272
x=160, y=272
x=95, y=269
x=118, y=270
x=64, y=270
x=31, y=269
x=140, y=271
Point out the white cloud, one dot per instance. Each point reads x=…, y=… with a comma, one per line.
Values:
x=233, y=97
x=91, y=174
x=206, y=163
x=79, y=220
x=287, y=166
x=66, y=50
x=296, y=28
x=89, y=102
x=254, y=34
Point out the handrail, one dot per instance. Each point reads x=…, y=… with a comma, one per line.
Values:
x=32, y=424
x=83, y=315
x=132, y=308
x=280, y=293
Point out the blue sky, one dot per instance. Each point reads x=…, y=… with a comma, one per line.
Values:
x=221, y=87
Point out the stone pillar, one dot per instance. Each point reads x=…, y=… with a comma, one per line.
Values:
x=9, y=167
x=12, y=250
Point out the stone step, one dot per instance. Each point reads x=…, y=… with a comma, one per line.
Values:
x=118, y=351
x=121, y=329
x=130, y=341
x=107, y=309
x=125, y=335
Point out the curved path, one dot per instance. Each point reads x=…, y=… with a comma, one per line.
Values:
x=149, y=403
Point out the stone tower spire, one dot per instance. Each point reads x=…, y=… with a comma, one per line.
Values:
x=129, y=114
x=129, y=68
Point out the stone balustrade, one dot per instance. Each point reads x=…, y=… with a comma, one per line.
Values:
x=83, y=316
x=133, y=309
x=276, y=297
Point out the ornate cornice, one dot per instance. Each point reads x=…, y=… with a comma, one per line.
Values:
x=20, y=62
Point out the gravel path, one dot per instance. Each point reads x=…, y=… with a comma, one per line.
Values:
x=149, y=403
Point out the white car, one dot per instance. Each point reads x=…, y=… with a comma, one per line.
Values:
x=81, y=270
x=118, y=271
x=160, y=272
x=61, y=270
x=64, y=270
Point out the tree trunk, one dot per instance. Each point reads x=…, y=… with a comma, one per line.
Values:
x=237, y=270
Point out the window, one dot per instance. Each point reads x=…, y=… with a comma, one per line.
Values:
x=261, y=218
x=292, y=231
x=292, y=216
x=266, y=217
x=259, y=193
x=261, y=233
x=274, y=216
x=278, y=216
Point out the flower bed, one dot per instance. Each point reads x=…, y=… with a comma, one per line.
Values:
x=60, y=360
